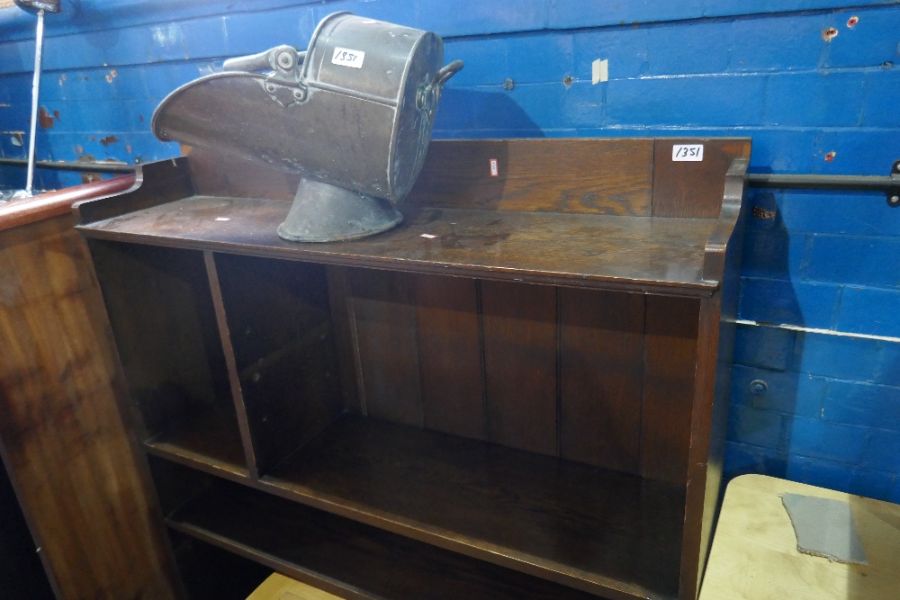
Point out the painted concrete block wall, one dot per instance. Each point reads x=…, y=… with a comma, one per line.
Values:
x=814, y=84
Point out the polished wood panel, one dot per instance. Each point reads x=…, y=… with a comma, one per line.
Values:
x=707, y=444
x=450, y=355
x=279, y=321
x=47, y=205
x=601, y=374
x=670, y=354
x=172, y=355
x=341, y=320
x=70, y=459
x=249, y=453
x=344, y=557
x=613, y=534
x=520, y=366
x=582, y=250
x=155, y=183
x=689, y=188
x=220, y=174
x=384, y=336
x=713, y=377
x=210, y=438
x=586, y=176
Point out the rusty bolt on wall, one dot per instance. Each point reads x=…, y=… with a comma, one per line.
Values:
x=758, y=387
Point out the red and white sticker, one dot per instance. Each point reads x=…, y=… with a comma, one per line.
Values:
x=495, y=167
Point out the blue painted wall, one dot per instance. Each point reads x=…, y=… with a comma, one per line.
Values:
x=823, y=261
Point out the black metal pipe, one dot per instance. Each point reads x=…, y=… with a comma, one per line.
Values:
x=878, y=183
x=93, y=167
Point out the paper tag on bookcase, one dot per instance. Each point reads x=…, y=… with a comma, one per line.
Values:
x=687, y=152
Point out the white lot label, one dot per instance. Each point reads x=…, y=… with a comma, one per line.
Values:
x=689, y=152
x=347, y=57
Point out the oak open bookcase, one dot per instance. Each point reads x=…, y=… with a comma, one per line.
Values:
x=517, y=393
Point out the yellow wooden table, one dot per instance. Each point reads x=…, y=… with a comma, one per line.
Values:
x=754, y=554
x=279, y=587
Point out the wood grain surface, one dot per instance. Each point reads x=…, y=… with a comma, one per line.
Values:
x=693, y=188
x=670, y=354
x=582, y=176
x=17, y=213
x=450, y=357
x=278, y=587
x=601, y=378
x=520, y=362
x=278, y=320
x=63, y=440
x=613, y=534
x=384, y=335
x=755, y=557
x=582, y=250
x=346, y=558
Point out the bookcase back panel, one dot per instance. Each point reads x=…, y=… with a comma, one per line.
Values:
x=520, y=360
x=603, y=378
x=450, y=365
x=160, y=309
x=583, y=176
x=601, y=371
x=279, y=323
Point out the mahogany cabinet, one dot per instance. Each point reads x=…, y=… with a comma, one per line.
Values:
x=520, y=392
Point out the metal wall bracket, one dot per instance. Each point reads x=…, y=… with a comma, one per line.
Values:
x=893, y=197
x=889, y=184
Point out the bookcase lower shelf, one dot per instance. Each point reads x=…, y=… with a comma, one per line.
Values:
x=607, y=533
x=346, y=558
x=208, y=439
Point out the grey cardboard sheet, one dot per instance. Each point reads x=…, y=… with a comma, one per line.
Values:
x=824, y=528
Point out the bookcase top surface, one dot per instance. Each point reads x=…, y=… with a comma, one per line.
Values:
x=597, y=213
x=565, y=249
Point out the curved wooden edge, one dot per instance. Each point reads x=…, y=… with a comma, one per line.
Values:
x=159, y=182
x=17, y=213
x=732, y=203
x=137, y=180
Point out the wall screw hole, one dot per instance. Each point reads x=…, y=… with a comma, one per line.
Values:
x=830, y=156
x=852, y=21
x=829, y=34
